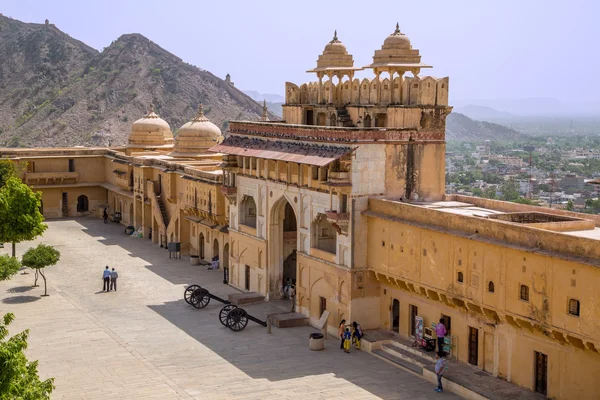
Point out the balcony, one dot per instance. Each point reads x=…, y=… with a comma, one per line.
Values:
x=339, y=220
x=51, y=178
x=339, y=178
x=230, y=192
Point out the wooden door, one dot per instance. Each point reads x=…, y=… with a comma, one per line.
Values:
x=414, y=311
x=473, y=345
x=247, y=277
x=541, y=373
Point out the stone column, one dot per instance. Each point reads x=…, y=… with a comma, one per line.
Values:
x=320, y=93
x=339, y=88
x=391, y=87
x=330, y=100
x=377, y=74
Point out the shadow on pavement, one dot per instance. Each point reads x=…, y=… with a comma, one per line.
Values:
x=20, y=299
x=20, y=289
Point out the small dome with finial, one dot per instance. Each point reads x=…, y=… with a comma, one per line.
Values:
x=197, y=135
x=397, y=40
x=335, y=57
x=151, y=131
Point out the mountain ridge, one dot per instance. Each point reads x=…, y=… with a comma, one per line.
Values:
x=57, y=91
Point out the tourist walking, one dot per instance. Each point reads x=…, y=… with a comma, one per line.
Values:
x=292, y=294
x=105, y=216
x=113, y=279
x=440, y=331
x=357, y=334
x=440, y=368
x=347, y=340
x=106, y=279
x=341, y=332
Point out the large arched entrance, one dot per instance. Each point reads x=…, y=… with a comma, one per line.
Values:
x=283, y=243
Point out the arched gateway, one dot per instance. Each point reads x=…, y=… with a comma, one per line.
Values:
x=283, y=243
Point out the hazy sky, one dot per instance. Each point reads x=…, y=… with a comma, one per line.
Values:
x=489, y=48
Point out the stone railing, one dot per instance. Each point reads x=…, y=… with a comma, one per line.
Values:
x=335, y=134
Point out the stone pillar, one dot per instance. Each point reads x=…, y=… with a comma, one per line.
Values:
x=330, y=100
x=338, y=91
x=320, y=92
x=377, y=74
x=391, y=87
x=258, y=167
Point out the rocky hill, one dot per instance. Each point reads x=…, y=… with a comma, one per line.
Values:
x=56, y=91
x=461, y=127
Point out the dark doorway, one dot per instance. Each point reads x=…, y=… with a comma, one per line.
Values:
x=414, y=311
x=71, y=165
x=541, y=373
x=322, y=305
x=201, y=246
x=473, y=345
x=159, y=184
x=367, y=121
x=309, y=117
x=396, y=316
x=247, y=283
x=447, y=322
x=65, y=205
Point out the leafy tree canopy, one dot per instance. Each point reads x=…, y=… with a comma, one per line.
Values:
x=20, y=217
x=18, y=377
x=40, y=256
x=9, y=266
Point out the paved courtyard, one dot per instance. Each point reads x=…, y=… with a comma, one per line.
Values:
x=145, y=342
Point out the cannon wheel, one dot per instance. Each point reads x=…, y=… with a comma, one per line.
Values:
x=199, y=298
x=188, y=292
x=225, y=312
x=237, y=319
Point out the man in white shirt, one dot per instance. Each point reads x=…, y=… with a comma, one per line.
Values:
x=113, y=279
x=106, y=279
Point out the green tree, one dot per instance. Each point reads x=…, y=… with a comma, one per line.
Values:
x=20, y=217
x=570, y=205
x=8, y=169
x=510, y=190
x=40, y=257
x=9, y=266
x=18, y=377
x=477, y=192
x=489, y=192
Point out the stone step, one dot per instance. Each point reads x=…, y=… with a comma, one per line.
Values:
x=239, y=299
x=406, y=355
x=417, y=353
x=398, y=361
x=289, y=320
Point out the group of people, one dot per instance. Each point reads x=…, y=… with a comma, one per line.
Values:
x=350, y=337
x=289, y=291
x=110, y=279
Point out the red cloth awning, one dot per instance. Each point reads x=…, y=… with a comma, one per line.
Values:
x=301, y=152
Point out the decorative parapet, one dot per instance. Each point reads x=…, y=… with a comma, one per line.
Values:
x=333, y=134
x=49, y=178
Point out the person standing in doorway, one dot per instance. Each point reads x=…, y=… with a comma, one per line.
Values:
x=105, y=216
x=113, y=279
x=341, y=332
x=292, y=294
x=440, y=368
x=440, y=331
x=106, y=279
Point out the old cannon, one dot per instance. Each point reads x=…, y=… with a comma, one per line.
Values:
x=236, y=318
x=199, y=297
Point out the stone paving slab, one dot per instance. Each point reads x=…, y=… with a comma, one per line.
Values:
x=144, y=342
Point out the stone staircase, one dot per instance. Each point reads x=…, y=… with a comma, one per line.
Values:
x=163, y=209
x=344, y=118
x=465, y=380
